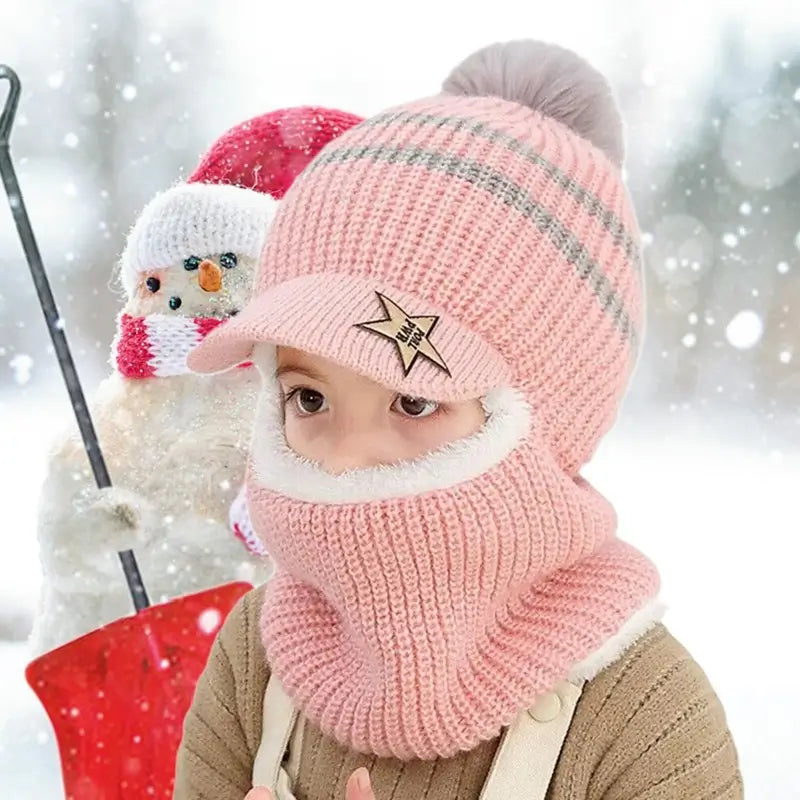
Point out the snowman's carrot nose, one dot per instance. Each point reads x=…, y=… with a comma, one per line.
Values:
x=210, y=277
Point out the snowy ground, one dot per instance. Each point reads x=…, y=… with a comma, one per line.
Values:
x=720, y=521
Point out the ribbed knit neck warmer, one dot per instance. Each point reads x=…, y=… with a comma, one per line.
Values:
x=417, y=608
x=479, y=246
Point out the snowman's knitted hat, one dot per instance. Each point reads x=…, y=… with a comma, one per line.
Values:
x=227, y=203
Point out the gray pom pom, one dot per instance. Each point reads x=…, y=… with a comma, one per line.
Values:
x=547, y=78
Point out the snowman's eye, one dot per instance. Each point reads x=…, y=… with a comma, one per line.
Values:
x=228, y=260
x=191, y=263
x=153, y=285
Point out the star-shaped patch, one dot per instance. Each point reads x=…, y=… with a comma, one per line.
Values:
x=409, y=333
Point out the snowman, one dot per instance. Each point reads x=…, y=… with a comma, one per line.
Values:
x=175, y=443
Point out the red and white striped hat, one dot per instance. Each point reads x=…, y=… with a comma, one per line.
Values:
x=228, y=202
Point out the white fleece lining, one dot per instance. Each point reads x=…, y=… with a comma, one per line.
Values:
x=280, y=469
x=613, y=648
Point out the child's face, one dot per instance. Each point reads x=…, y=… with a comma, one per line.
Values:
x=342, y=420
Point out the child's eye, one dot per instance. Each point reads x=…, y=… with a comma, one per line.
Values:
x=415, y=407
x=306, y=401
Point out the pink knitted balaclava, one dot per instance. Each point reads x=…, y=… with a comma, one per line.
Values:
x=479, y=243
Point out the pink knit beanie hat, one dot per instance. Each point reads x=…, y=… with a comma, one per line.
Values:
x=492, y=220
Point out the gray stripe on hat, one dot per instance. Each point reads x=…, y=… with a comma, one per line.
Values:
x=513, y=195
x=593, y=204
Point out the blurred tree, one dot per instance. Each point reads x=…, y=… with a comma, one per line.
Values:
x=722, y=256
x=103, y=125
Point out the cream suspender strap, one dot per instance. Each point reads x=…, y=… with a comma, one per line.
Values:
x=279, y=721
x=526, y=757
x=523, y=765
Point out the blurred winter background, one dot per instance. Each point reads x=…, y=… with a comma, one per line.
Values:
x=119, y=99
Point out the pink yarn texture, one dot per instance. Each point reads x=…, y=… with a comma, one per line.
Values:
x=417, y=626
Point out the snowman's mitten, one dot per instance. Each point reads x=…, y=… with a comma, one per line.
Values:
x=116, y=518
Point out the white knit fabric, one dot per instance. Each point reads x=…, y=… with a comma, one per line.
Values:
x=198, y=219
x=242, y=526
x=170, y=341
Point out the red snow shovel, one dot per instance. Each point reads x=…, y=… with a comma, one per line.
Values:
x=117, y=696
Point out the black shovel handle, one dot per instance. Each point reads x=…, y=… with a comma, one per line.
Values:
x=55, y=325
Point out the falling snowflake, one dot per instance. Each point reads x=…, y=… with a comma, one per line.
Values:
x=22, y=365
x=209, y=620
x=129, y=92
x=89, y=104
x=758, y=142
x=744, y=330
x=681, y=250
x=649, y=77
x=730, y=239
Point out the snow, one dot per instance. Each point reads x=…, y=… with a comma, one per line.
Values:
x=680, y=250
x=21, y=365
x=744, y=330
x=730, y=240
x=56, y=79
x=28, y=752
x=209, y=620
x=758, y=142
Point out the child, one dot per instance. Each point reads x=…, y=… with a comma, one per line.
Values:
x=446, y=315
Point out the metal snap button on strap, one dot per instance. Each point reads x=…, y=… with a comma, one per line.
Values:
x=546, y=708
x=529, y=748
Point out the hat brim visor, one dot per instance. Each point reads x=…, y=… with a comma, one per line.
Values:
x=418, y=352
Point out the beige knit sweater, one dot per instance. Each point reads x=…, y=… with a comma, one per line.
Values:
x=649, y=727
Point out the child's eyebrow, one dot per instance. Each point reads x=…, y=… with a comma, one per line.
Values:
x=307, y=371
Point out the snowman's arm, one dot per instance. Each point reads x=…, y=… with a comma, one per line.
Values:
x=76, y=519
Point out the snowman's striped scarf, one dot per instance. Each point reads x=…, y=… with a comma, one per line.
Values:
x=156, y=346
